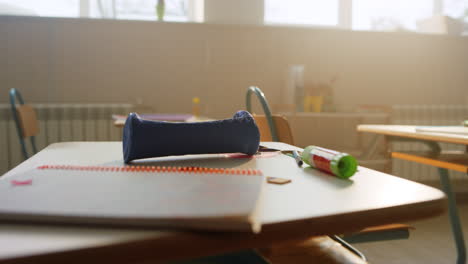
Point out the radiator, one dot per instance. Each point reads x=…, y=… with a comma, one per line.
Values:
x=425, y=115
x=60, y=122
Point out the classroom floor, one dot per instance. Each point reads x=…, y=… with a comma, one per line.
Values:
x=430, y=243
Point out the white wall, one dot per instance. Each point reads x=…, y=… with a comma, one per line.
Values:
x=166, y=64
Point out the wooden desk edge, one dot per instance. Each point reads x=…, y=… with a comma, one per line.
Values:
x=203, y=244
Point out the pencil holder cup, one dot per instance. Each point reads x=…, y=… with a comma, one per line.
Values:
x=313, y=103
x=146, y=139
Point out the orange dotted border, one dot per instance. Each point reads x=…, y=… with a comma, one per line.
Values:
x=153, y=169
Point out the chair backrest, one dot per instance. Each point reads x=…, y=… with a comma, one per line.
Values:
x=283, y=130
x=26, y=121
x=272, y=127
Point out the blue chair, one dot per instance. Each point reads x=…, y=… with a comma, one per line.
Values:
x=26, y=122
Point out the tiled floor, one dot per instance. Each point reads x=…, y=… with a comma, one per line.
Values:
x=430, y=243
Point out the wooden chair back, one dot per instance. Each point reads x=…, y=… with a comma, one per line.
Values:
x=26, y=121
x=283, y=130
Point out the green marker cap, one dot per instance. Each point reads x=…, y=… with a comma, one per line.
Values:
x=344, y=165
x=341, y=164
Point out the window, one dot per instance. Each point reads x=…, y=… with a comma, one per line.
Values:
x=305, y=12
x=456, y=9
x=384, y=15
x=53, y=8
x=176, y=10
x=378, y=15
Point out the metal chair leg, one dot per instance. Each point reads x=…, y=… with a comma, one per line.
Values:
x=453, y=214
x=349, y=247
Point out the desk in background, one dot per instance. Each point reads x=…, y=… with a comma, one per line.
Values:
x=119, y=120
x=337, y=130
x=314, y=203
x=457, y=161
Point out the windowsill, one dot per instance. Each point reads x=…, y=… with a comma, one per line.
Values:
x=269, y=25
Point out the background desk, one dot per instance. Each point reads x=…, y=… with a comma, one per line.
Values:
x=313, y=204
x=119, y=121
x=443, y=161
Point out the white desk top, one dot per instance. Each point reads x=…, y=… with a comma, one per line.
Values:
x=314, y=203
x=410, y=132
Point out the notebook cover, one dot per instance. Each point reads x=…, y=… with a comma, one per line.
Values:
x=213, y=200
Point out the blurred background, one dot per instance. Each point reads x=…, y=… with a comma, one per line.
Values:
x=326, y=65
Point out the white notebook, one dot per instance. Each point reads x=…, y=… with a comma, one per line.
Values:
x=455, y=130
x=166, y=197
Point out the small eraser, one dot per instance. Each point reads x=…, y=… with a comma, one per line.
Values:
x=276, y=180
x=21, y=182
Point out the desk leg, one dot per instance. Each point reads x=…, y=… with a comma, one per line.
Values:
x=452, y=205
x=372, y=148
x=453, y=214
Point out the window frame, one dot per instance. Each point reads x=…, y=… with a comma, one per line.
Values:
x=345, y=13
